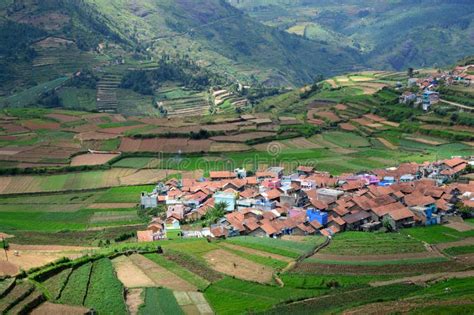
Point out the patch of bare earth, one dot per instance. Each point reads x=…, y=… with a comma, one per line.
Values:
x=129, y=274
x=234, y=265
x=424, y=141
x=193, y=303
x=460, y=226
x=160, y=276
x=257, y=252
x=59, y=309
x=134, y=300
x=432, y=277
x=92, y=159
x=387, y=143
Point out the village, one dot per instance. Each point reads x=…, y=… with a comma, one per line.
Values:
x=308, y=202
x=421, y=92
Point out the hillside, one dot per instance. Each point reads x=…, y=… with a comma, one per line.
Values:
x=389, y=34
x=44, y=40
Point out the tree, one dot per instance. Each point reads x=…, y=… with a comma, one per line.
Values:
x=216, y=212
x=410, y=72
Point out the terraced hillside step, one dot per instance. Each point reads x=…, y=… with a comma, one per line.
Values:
x=20, y=292
x=29, y=303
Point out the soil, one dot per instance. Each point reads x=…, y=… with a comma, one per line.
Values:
x=134, y=300
x=92, y=159
x=387, y=143
x=59, y=309
x=257, y=252
x=424, y=141
x=433, y=277
x=236, y=266
x=160, y=276
x=460, y=226
x=129, y=274
x=8, y=268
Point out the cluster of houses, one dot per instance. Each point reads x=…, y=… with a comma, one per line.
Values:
x=273, y=204
x=427, y=86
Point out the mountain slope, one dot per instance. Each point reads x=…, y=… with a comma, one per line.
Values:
x=389, y=34
x=51, y=38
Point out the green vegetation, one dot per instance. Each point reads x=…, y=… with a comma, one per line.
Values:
x=311, y=281
x=410, y=261
x=184, y=273
x=105, y=292
x=277, y=246
x=232, y=296
x=460, y=250
x=437, y=234
x=75, y=290
x=126, y=194
x=159, y=301
x=55, y=284
x=359, y=243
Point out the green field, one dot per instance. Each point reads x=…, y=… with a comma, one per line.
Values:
x=277, y=246
x=126, y=194
x=437, y=234
x=74, y=292
x=359, y=243
x=105, y=291
x=346, y=139
x=159, y=301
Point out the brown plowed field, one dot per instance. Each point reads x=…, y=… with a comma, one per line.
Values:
x=129, y=274
x=160, y=276
x=92, y=159
x=167, y=145
x=63, y=118
x=236, y=266
x=244, y=136
x=59, y=309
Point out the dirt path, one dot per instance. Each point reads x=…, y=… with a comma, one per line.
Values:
x=193, y=303
x=458, y=105
x=129, y=274
x=377, y=257
x=426, y=278
x=134, y=300
x=387, y=143
x=256, y=252
x=160, y=276
x=111, y=205
x=464, y=242
x=234, y=265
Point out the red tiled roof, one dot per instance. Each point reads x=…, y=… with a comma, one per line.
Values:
x=400, y=214
x=454, y=162
x=305, y=169
x=222, y=174
x=417, y=199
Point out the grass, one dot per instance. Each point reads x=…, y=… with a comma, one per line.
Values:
x=181, y=272
x=134, y=162
x=56, y=283
x=31, y=95
x=159, y=301
x=437, y=234
x=75, y=290
x=126, y=194
x=339, y=301
x=460, y=250
x=262, y=260
x=361, y=243
x=277, y=246
x=310, y=281
x=379, y=263
x=233, y=296
x=105, y=291
x=346, y=139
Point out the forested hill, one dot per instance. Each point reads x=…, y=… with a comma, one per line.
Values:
x=390, y=35
x=42, y=40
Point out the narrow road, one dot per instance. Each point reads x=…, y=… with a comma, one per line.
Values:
x=469, y=108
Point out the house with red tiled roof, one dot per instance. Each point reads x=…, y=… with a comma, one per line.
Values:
x=401, y=218
x=220, y=175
